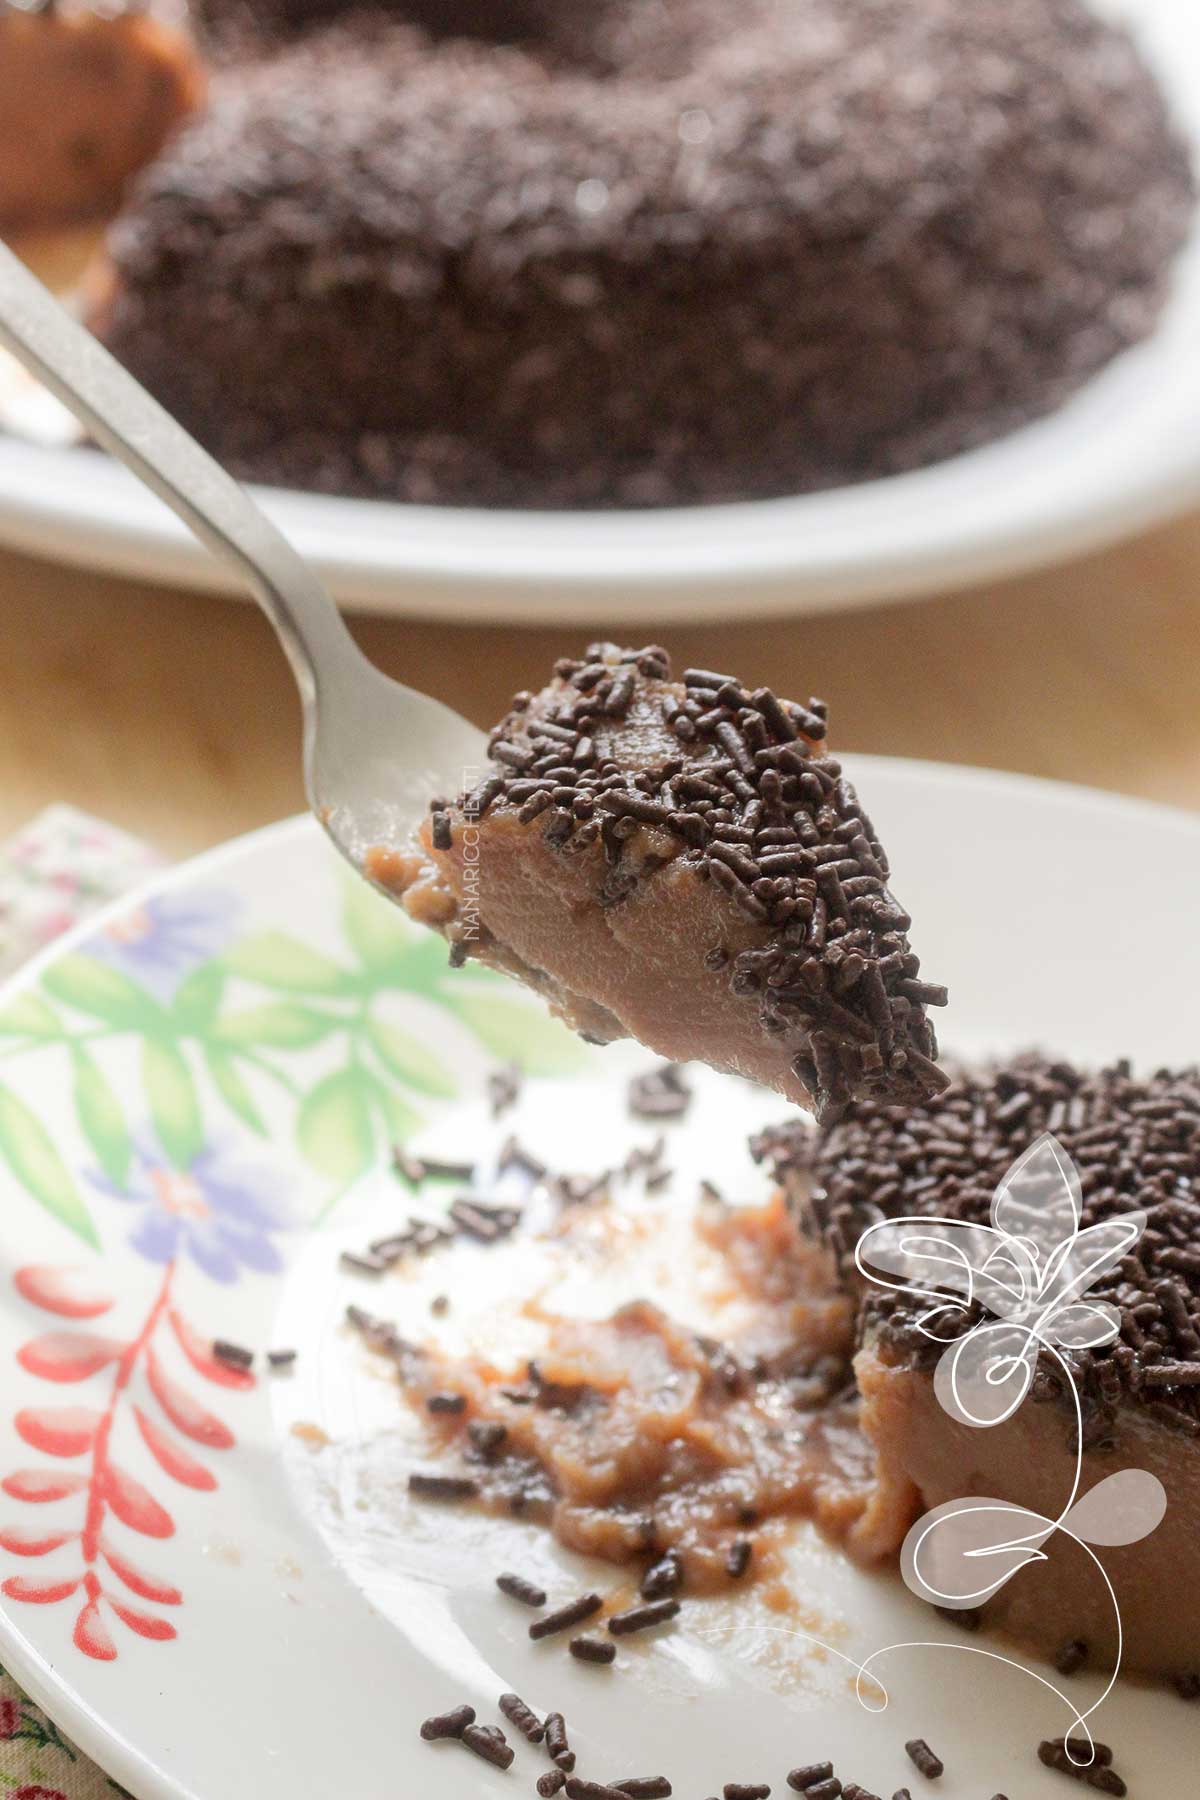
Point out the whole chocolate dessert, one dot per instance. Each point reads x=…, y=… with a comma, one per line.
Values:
x=682, y=861
x=619, y=254
x=1136, y=1145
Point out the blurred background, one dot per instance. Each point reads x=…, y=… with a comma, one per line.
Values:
x=908, y=292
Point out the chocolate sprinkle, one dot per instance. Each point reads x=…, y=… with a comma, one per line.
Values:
x=808, y=1775
x=573, y=1613
x=450, y=1724
x=1136, y=1143
x=578, y=1789
x=659, y=1094
x=446, y=1403
x=746, y=1790
x=504, y=1088
x=593, y=1650
x=662, y=1578
x=523, y=1717
x=1071, y=1657
x=281, y=1359
x=489, y=1743
x=737, y=1558
x=643, y=1618
x=745, y=797
x=924, y=1760
x=235, y=1356
x=644, y=1787
x=517, y=1588
x=443, y=1487
x=829, y=1789
x=550, y=1783
x=557, y=1746
x=1097, y=1774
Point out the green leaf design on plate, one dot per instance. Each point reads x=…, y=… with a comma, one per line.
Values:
x=334, y=1130
x=398, y=1118
x=517, y=1031
x=281, y=961
x=376, y=929
x=232, y=1087
x=282, y=1025
x=174, y=1106
x=198, y=997
x=26, y=1147
x=410, y=1060
x=93, y=987
x=29, y=1016
x=100, y=1117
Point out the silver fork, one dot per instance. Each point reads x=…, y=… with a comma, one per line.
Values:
x=374, y=750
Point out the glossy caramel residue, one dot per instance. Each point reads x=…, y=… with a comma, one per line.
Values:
x=632, y=1435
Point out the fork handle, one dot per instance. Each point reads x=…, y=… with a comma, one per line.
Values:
x=120, y=414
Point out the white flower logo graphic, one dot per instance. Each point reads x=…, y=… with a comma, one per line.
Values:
x=1030, y=1271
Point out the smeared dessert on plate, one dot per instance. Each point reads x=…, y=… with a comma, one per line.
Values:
x=540, y=255
x=682, y=861
x=638, y=1439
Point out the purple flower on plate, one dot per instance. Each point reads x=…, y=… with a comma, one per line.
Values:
x=221, y=1212
x=161, y=941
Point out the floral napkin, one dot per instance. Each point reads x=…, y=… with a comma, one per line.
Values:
x=61, y=867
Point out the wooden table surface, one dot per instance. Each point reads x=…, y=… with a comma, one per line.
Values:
x=174, y=714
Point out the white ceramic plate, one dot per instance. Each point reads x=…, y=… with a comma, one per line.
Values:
x=1122, y=455
x=238, y=1047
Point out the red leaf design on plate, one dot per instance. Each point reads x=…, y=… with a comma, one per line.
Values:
x=68, y=1355
x=91, y=1634
x=171, y=1458
x=147, y=1587
x=38, y=1593
x=31, y=1543
x=42, y=1484
x=135, y=1506
x=145, y=1624
x=58, y=1430
x=186, y=1414
x=199, y=1352
x=67, y=1292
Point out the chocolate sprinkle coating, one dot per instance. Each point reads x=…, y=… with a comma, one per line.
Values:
x=450, y=1724
x=557, y=1746
x=1136, y=1143
x=489, y=1743
x=593, y=1650
x=643, y=1618
x=442, y=1487
x=629, y=257
x=523, y=1717
x=808, y=1775
x=518, y=1588
x=573, y=1613
x=662, y=1578
x=741, y=786
x=924, y=1760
